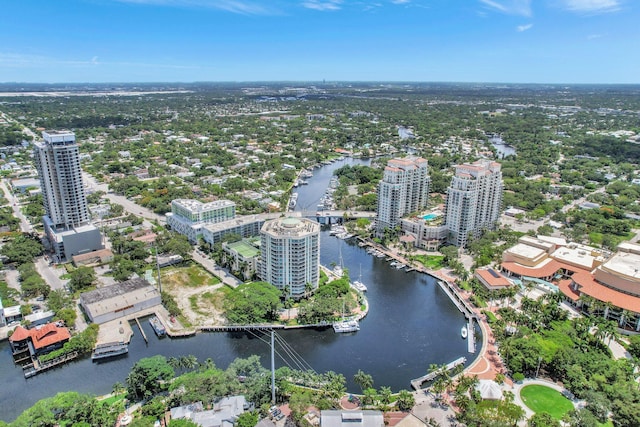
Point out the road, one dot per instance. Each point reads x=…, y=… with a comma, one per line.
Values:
x=25, y=225
x=581, y=200
x=127, y=204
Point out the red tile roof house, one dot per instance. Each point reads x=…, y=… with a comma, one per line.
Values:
x=40, y=340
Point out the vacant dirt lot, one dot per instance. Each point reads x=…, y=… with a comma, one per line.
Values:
x=198, y=294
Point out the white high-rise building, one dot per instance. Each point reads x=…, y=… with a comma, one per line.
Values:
x=67, y=220
x=474, y=200
x=189, y=216
x=290, y=254
x=404, y=189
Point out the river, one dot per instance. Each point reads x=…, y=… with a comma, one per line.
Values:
x=502, y=148
x=411, y=324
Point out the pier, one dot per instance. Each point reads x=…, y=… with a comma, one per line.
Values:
x=465, y=309
x=40, y=367
x=416, y=383
x=142, y=331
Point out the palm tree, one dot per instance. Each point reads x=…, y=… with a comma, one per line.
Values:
x=405, y=400
x=118, y=388
x=174, y=362
x=189, y=362
x=370, y=396
x=385, y=395
x=365, y=381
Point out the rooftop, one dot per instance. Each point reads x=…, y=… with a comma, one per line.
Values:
x=624, y=264
x=493, y=278
x=558, y=241
x=112, y=291
x=575, y=256
x=291, y=227
x=244, y=248
x=526, y=251
x=197, y=206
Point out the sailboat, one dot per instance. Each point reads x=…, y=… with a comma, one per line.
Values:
x=345, y=325
x=338, y=270
x=358, y=283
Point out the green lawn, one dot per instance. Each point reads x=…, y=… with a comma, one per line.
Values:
x=434, y=262
x=113, y=399
x=540, y=398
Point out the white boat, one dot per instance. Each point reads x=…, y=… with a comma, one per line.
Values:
x=338, y=271
x=463, y=332
x=360, y=286
x=346, y=326
x=358, y=283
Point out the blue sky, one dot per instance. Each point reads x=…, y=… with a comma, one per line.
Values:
x=511, y=41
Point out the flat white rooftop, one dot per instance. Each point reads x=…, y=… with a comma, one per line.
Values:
x=575, y=256
x=624, y=264
x=629, y=247
x=532, y=241
x=526, y=251
x=558, y=241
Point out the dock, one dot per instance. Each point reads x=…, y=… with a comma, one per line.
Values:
x=142, y=331
x=465, y=309
x=41, y=367
x=417, y=383
x=471, y=336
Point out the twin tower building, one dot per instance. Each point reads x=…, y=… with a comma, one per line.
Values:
x=474, y=201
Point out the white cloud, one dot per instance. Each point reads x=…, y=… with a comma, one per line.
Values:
x=235, y=6
x=400, y=1
x=522, y=28
x=510, y=7
x=594, y=36
x=322, y=5
x=592, y=6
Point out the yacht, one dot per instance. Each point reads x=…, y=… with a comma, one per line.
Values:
x=346, y=326
x=109, y=350
x=463, y=332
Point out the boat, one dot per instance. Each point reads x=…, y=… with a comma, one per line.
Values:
x=346, y=326
x=358, y=283
x=293, y=200
x=157, y=326
x=359, y=286
x=338, y=271
x=463, y=332
x=108, y=350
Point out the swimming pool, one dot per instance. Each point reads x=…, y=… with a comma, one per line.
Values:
x=429, y=217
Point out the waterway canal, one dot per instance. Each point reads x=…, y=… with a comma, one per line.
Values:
x=411, y=324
